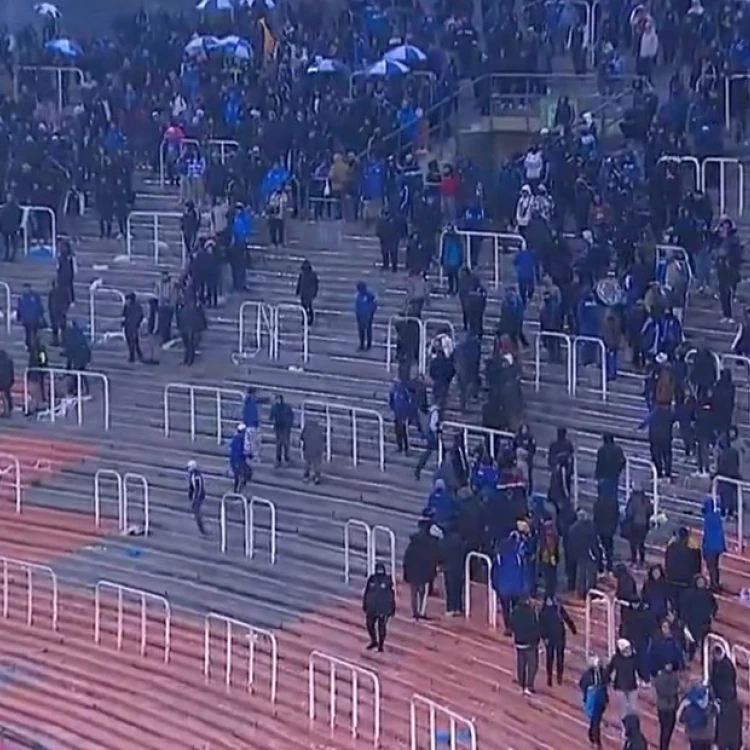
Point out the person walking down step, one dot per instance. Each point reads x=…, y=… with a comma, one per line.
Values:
x=593, y=685
x=524, y=626
x=365, y=305
x=196, y=494
x=553, y=620
x=307, y=290
x=667, y=687
x=378, y=604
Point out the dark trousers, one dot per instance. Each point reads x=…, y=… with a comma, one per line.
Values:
x=555, y=658
x=283, y=438
x=661, y=455
x=307, y=306
x=164, y=323
x=58, y=326
x=454, y=588
x=364, y=329
x=10, y=240
x=30, y=335
x=402, y=438
x=527, y=663
x=608, y=546
x=134, y=346
x=637, y=542
x=390, y=256
x=195, y=508
x=595, y=727
x=712, y=565
x=8, y=399
x=725, y=300
x=376, y=629
x=667, y=721
x=276, y=230
x=506, y=605
x=190, y=343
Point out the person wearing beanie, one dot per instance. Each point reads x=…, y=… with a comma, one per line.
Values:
x=622, y=673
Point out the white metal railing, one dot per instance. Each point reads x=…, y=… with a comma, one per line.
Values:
x=728, y=78
x=738, y=655
x=143, y=597
x=95, y=290
x=248, y=521
x=122, y=483
x=466, y=429
x=191, y=391
x=567, y=342
x=595, y=596
x=371, y=546
x=354, y=412
x=68, y=402
x=154, y=217
x=682, y=254
x=739, y=486
x=453, y=737
x=264, y=323
x=491, y=595
x=603, y=362
x=58, y=70
x=709, y=643
x=26, y=212
x=13, y=467
x=253, y=635
x=223, y=145
x=692, y=161
x=181, y=146
x=722, y=162
x=738, y=359
x=631, y=465
x=389, y=345
x=29, y=569
x=6, y=308
x=427, y=342
x=277, y=311
x=356, y=674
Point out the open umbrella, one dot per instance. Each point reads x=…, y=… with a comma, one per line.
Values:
x=215, y=5
x=64, y=47
x=47, y=9
x=405, y=53
x=236, y=47
x=387, y=68
x=200, y=45
x=324, y=65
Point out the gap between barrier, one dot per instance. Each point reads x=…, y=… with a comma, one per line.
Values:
x=738, y=486
x=371, y=534
x=248, y=521
x=29, y=569
x=122, y=484
x=539, y=341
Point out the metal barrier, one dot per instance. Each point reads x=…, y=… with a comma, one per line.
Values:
x=7, y=307
x=181, y=145
x=722, y=162
x=692, y=161
x=271, y=527
x=371, y=546
x=709, y=643
x=14, y=465
x=469, y=740
x=603, y=354
x=264, y=323
x=143, y=597
x=357, y=674
x=488, y=432
x=738, y=655
x=594, y=596
x=744, y=362
x=26, y=212
x=29, y=568
x=539, y=336
x=122, y=483
x=631, y=462
x=253, y=635
x=67, y=402
x=248, y=509
x=491, y=595
x=94, y=290
x=154, y=216
x=389, y=341
x=428, y=342
x=739, y=486
x=276, y=328
x=223, y=144
x=59, y=72
x=354, y=411
x=661, y=262
x=191, y=391
x=728, y=78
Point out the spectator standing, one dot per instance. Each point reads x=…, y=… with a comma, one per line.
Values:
x=282, y=419
x=420, y=566
x=196, y=494
x=524, y=626
x=7, y=379
x=593, y=684
x=313, y=441
x=365, y=305
x=622, y=671
x=666, y=686
x=713, y=542
x=307, y=289
x=553, y=620
x=378, y=604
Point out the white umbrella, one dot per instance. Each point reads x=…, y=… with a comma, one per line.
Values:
x=64, y=47
x=387, y=68
x=405, y=53
x=199, y=45
x=236, y=47
x=325, y=65
x=215, y=5
x=47, y=9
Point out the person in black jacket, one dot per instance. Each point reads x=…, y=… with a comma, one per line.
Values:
x=722, y=676
x=553, y=618
x=420, y=567
x=622, y=672
x=606, y=521
x=57, y=304
x=697, y=610
x=307, y=289
x=610, y=461
x=11, y=215
x=66, y=272
x=7, y=379
x=681, y=564
x=524, y=626
x=132, y=317
x=729, y=725
x=378, y=604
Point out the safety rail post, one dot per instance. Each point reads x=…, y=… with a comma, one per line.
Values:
x=26, y=213
x=191, y=391
x=253, y=634
x=14, y=465
x=223, y=144
x=692, y=161
x=263, y=322
x=502, y=238
x=94, y=290
x=427, y=342
x=739, y=486
x=100, y=475
x=58, y=70
x=603, y=353
x=234, y=497
x=7, y=307
x=488, y=432
x=143, y=597
x=709, y=643
x=491, y=595
x=454, y=722
x=538, y=340
x=276, y=329
x=373, y=552
x=740, y=654
x=271, y=526
x=597, y=596
x=354, y=523
x=29, y=568
x=389, y=341
x=79, y=375
x=722, y=162
x=356, y=674
x=162, y=155
x=154, y=216
x=631, y=462
x=140, y=480
x=737, y=359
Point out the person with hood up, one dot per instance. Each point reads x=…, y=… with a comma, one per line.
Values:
x=634, y=739
x=441, y=505
x=365, y=305
x=664, y=650
x=666, y=687
x=524, y=627
x=697, y=714
x=622, y=671
x=523, y=209
x=583, y=544
x=378, y=604
x=655, y=593
x=714, y=543
x=635, y=525
x=593, y=684
x=307, y=289
x=553, y=619
x=240, y=468
x=313, y=441
x=420, y=565
x=682, y=563
x=722, y=675
x=282, y=419
x=509, y=578
x=698, y=609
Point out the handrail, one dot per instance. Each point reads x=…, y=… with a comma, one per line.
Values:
x=29, y=568
x=154, y=216
x=491, y=595
x=739, y=485
x=192, y=390
x=428, y=342
x=15, y=467
x=277, y=329
x=454, y=720
x=677, y=159
x=98, y=289
x=630, y=463
x=26, y=212
x=7, y=308
x=77, y=400
x=722, y=162
x=354, y=523
x=391, y=537
x=709, y=642
x=354, y=411
x=162, y=154
x=738, y=654
x=597, y=596
x=356, y=673
x=99, y=476
x=389, y=341
x=737, y=359
x=234, y=497
x=254, y=499
x=567, y=340
x=254, y=634
x=603, y=353
x=58, y=70
x=488, y=432
x=264, y=322
x=143, y=597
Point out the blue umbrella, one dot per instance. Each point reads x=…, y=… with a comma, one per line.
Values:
x=236, y=47
x=324, y=65
x=405, y=53
x=64, y=47
x=387, y=68
x=199, y=45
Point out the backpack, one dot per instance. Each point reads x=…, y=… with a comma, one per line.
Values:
x=694, y=717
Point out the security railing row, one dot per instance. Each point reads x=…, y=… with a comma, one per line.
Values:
x=248, y=523
x=164, y=228
x=267, y=325
x=441, y=325
x=371, y=536
x=123, y=484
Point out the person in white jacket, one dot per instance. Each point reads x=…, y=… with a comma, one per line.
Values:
x=523, y=208
x=648, y=49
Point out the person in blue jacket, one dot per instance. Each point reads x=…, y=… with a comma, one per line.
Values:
x=509, y=579
x=588, y=325
x=403, y=408
x=484, y=476
x=664, y=649
x=441, y=505
x=237, y=463
x=30, y=314
x=251, y=420
x=527, y=272
x=452, y=258
x=365, y=305
x=714, y=541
